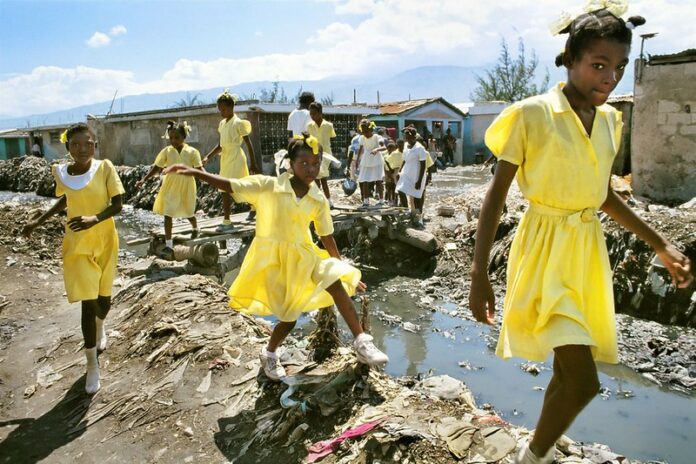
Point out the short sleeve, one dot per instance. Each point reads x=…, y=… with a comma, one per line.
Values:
x=243, y=127
x=323, y=222
x=618, y=130
x=161, y=160
x=248, y=189
x=332, y=135
x=60, y=189
x=292, y=113
x=507, y=137
x=113, y=182
x=312, y=129
x=195, y=158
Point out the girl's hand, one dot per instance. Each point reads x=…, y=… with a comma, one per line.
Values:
x=181, y=169
x=139, y=184
x=361, y=287
x=79, y=223
x=482, y=299
x=678, y=265
x=29, y=228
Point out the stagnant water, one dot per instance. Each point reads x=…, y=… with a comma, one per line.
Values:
x=633, y=416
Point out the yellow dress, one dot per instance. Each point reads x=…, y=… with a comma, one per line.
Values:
x=395, y=160
x=177, y=195
x=89, y=256
x=324, y=134
x=233, y=161
x=284, y=273
x=559, y=282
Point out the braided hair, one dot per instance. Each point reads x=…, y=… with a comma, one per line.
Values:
x=78, y=128
x=599, y=24
x=181, y=127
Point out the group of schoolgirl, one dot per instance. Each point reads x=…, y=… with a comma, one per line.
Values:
x=404, y=167
x=559, y=146
x=284, y=272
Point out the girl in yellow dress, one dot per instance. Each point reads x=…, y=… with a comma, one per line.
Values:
x=284, y=273
x=233, y=162
x=560, y=146
x=91, y=190
x=177, y=195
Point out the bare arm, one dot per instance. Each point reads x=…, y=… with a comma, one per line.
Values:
x=154, y=170
x=252, y=159
x=219, y=182
x=57, y=207
x=85, y=222
x=678, y=265
x=330, y=246
x=212, y=152
x=481, y=297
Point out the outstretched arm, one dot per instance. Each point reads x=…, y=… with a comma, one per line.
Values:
x=678, y=265
x=154, y=170
x=219, y=182
x=85, y=222
x=481, y=297
x=212, y=152
x=57, y=207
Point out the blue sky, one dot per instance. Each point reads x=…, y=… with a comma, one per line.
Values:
x=48, y=62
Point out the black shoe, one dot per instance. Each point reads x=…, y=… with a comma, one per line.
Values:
x=251, y=216
x=194, y=234
x=168, y=253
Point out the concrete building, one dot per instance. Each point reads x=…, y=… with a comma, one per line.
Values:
x=663, y=136
x=480, y=116
x=136, y=138
x=432, y=116
x=622, y=162
x=14, y=143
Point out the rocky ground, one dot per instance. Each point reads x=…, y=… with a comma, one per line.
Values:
x=181, y=381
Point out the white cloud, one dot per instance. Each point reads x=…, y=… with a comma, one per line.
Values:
x=355, y=7
x=98, y=39
x=394, y=35
x=118, y=30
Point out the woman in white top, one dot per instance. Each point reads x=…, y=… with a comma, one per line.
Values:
x=299, y=118
x=370, y=162
x=412, y=177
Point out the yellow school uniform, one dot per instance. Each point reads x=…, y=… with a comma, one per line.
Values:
x=177, y=195
x=559, y=283
x=233, y=161
x=284, y=273
x=323, y=134
x=394, y=161
x=89, y=256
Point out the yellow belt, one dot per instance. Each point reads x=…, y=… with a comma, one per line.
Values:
x=574, y=217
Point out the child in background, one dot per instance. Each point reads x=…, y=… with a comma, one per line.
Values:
x=284, y=273
x=323, y=130
x=371, y=163
x=412, y=177
x=177, y=195
x=392, y=163
x=299, y=118
x=352, y=167
x=560, y=146
x=233, y=162
x=92, y=192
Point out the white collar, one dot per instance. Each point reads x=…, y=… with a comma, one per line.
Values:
x=80, y=181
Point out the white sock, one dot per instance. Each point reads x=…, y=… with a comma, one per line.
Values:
x=169, y=243
x=101, y=334
x=92, y=384
x=269, y=354
x=360, y=337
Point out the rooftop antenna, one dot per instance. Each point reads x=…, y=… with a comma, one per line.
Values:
x=355, y=97
x=378, y=98
x=112, y=103
x=643, y=38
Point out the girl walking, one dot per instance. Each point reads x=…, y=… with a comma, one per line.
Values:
x=370, y=162
x=412, y=177
x=177, y=195
x=284, y=273
x=559, y=299
x=233, y=162
x=91, y=191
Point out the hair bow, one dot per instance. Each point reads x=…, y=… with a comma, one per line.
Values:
x=64, y=136
x=311, y=141
x=565, y=19
x=228, y=96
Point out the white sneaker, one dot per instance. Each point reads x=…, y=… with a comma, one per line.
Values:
x=271, y=366
x=92, y=384
x=367, y=352
x=101, y=336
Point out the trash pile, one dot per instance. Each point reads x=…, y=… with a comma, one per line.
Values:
x=27, y=174
x=44, y=245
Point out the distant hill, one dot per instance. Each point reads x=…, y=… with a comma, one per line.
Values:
x=454, y=83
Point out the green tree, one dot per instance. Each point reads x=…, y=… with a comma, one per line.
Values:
x=511, y=79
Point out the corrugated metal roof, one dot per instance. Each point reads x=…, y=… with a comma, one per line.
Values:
x=402, y=106
x=685, y=56
x=628, y=98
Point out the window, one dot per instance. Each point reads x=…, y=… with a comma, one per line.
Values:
x=54, y=136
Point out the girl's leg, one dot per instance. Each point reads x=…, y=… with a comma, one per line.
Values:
x=573, y=385
x=325, y=188
x=280, y=332
x=269, y=359
x=89, y=333
x=168, y=231
x=226, y=206
x=365, y=349
x=103, y=307
x=403, y=201
x=364, y=192
x=380, y=190
x=194, y=227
